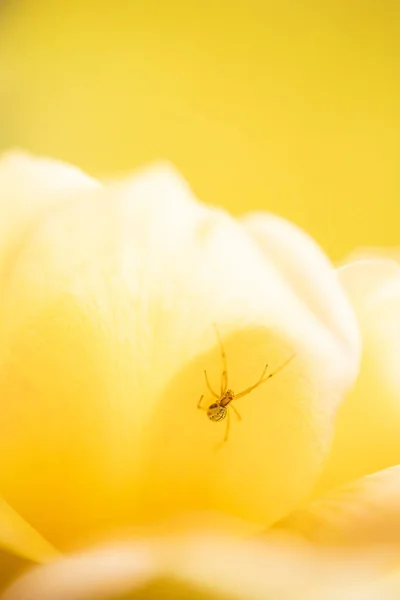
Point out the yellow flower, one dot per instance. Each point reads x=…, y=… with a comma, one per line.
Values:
x=109, y=293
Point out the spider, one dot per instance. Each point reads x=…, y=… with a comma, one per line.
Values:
x=218, y=410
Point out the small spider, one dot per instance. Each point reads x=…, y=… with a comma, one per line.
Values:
x=217, y=411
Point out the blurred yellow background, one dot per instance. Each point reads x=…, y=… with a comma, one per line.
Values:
x=287, y=106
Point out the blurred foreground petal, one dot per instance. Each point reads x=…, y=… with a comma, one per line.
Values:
x=18, y=537
x=97, y=575
x=11, y=567
x=206, y=566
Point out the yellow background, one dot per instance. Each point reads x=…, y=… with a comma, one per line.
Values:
x=292, y=107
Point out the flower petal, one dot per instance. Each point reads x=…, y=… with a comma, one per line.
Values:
x=206, y=565
x=11, y=567
x=94, y=575
x=362, y=513
x=367, y=429
x=309, y=273
x=18, y=537
x=29, y=187
x=108, y=326
x=373, y=253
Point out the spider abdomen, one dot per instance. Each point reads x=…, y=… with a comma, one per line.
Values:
x=216, y=412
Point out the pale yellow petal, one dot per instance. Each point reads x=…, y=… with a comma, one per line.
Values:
x=108, y=326
x=309, y=273
x=362, y=513
x=368, y=424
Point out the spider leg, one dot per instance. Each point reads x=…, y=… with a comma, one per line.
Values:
x=282, y=366
x=253, y=387
x=209, y=385
x=236, y=412
x=224, y=376
x=199, y=404
x=228, y=425
x=264, y=379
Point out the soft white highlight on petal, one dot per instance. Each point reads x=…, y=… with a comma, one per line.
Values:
x=24, y=172
x=29, y=187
